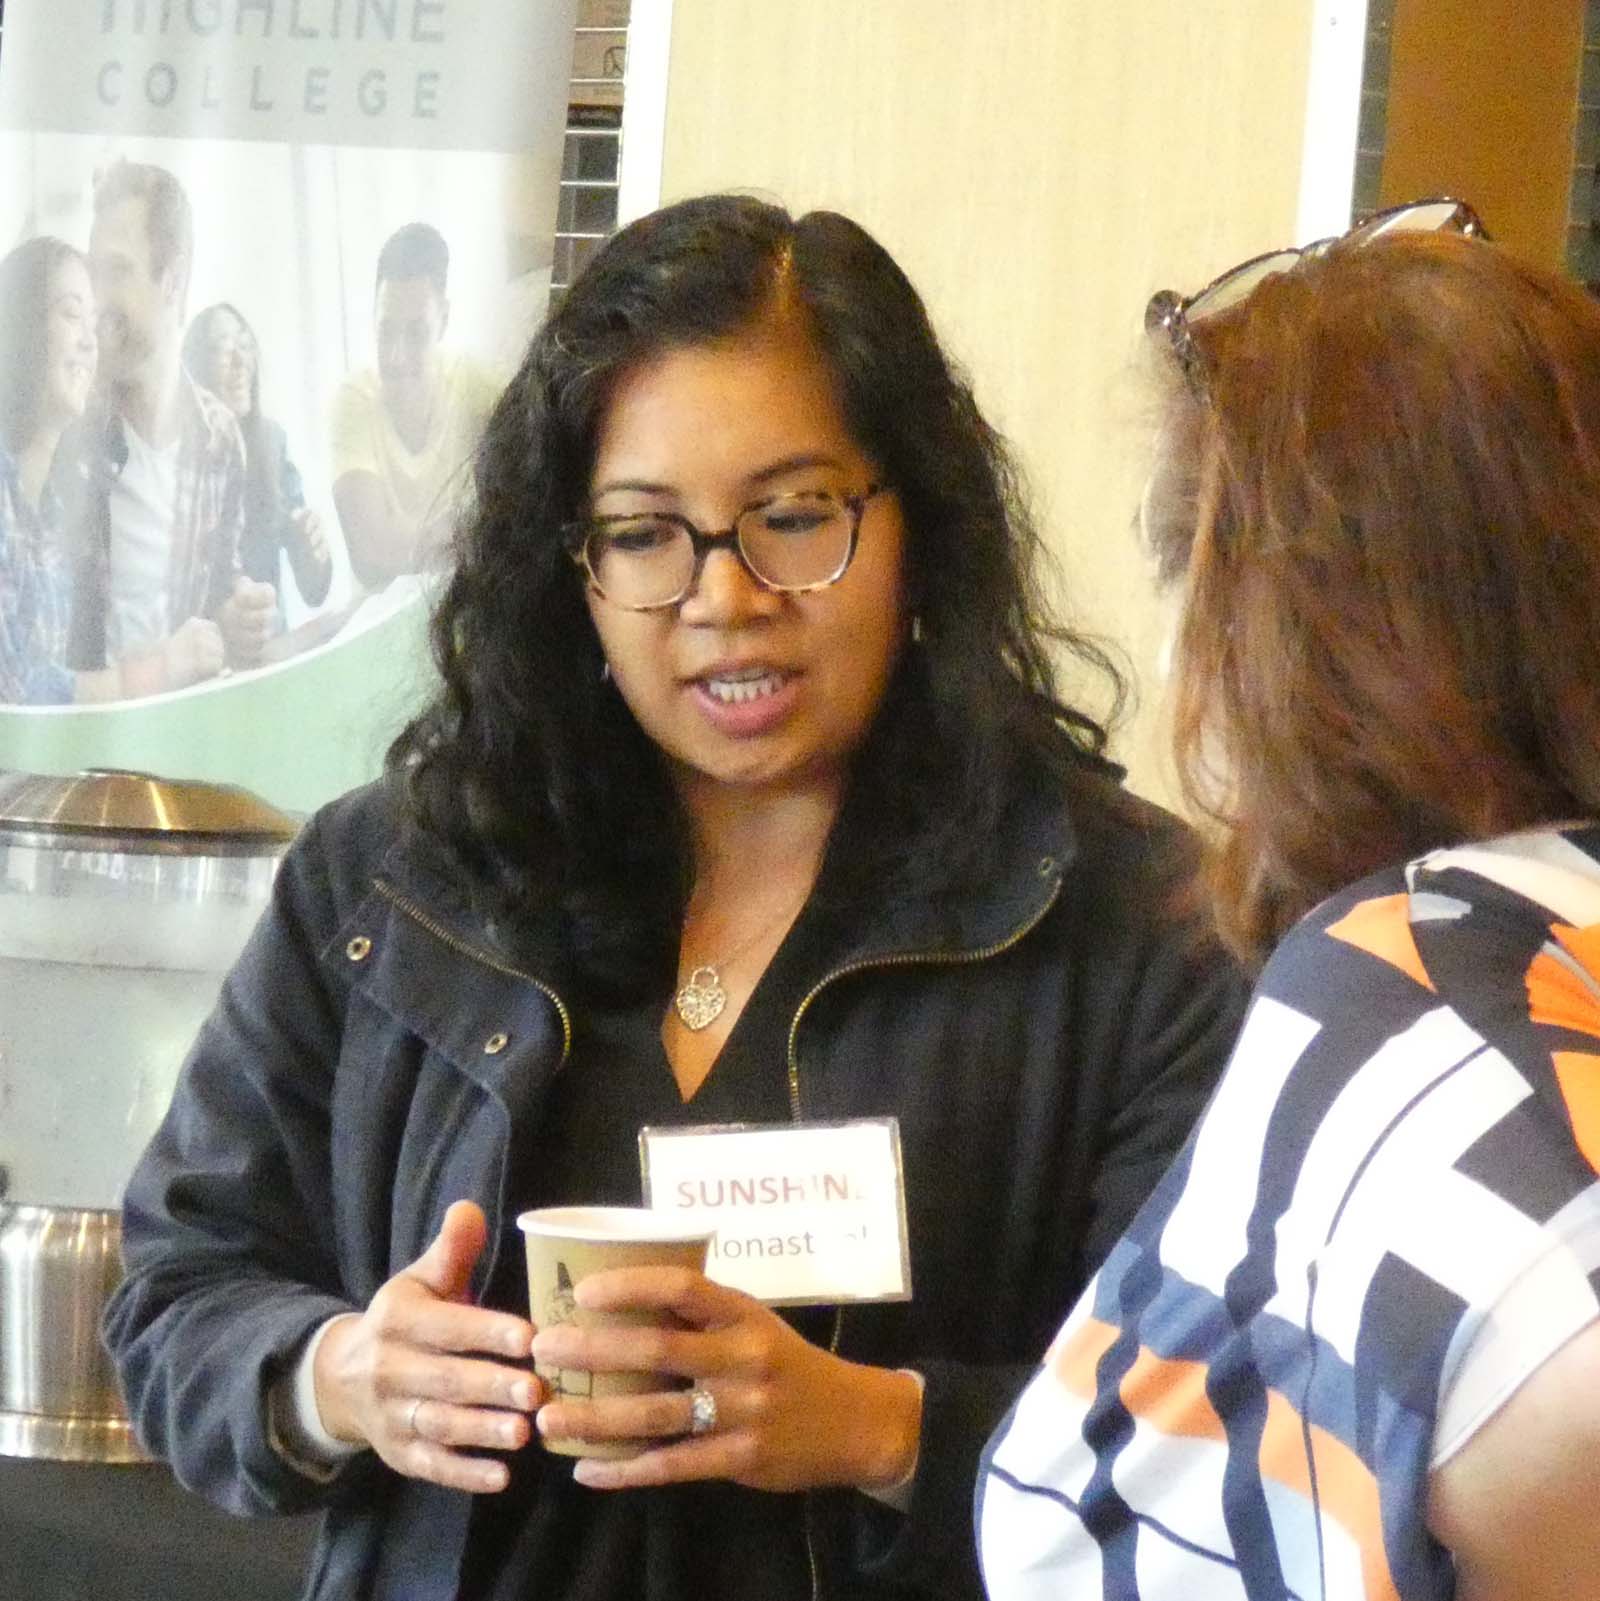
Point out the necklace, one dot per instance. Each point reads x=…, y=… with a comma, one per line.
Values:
x=701, y=998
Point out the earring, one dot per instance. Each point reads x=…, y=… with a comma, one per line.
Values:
x=916, y=628
x=605, y=672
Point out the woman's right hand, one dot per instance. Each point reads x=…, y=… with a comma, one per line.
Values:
x=417, y=1376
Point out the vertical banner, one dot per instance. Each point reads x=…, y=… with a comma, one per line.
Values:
x=265, y=266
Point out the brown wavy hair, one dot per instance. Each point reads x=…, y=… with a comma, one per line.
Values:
x=1380, y=485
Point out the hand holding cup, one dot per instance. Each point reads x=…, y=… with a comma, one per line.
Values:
x=657, y=1376
x=425, y=1378
x=567, y=1245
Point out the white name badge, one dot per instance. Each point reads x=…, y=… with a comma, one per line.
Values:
x=803, y=1212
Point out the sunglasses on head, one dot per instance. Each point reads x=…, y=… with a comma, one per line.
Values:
x=1174, y=315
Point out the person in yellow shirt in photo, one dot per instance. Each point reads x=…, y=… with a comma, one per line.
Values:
x=402, y=431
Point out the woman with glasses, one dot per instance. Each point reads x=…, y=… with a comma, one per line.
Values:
x=1351, y=1346
x=748, y=797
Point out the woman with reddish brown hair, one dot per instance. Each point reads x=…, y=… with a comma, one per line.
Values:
x=1351, y=1346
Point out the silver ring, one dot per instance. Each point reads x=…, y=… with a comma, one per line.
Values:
x=702, y=1411
x=411, y=1419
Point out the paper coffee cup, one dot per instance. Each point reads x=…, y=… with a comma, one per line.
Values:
x=565, y=1244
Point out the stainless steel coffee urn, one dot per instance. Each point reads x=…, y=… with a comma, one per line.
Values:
x=123, y=900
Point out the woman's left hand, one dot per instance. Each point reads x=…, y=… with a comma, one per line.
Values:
x=789, y=1416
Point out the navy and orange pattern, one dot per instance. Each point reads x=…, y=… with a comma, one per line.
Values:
x=1388, y=1218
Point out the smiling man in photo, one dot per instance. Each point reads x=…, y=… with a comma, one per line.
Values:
x=404, y=429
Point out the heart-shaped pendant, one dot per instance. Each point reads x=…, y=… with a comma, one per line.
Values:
x=699, y=1003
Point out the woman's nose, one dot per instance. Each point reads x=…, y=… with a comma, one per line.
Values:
x=725, y=592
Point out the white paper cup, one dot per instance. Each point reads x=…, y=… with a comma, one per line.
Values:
x=565, y=1244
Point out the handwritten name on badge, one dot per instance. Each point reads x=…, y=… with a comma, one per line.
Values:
x=805, y=1213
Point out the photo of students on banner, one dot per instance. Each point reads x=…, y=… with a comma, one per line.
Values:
x=249, y=339
x=155, y=528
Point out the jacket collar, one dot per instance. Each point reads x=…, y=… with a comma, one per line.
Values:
x=1038, y=845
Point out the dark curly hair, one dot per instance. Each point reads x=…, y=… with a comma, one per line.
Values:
x=532, y=773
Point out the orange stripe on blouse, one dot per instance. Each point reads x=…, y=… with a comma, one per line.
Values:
x=1346, y=1490
x=1171, y=1396
x=1578, y=1074
x=1557, y=995
x=1382, y=927
x=1581, y=943
x=1075, y=1360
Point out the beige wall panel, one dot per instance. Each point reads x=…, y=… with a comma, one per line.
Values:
x=1038, y=167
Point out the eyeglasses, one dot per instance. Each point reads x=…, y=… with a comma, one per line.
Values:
x=1174, y=314
x=645, y=561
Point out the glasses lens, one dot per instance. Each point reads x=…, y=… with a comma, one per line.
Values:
x=1427, y=216
x=1234, y=286
x=640, y=561
x=797, y=541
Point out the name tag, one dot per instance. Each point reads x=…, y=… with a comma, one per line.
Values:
x=804, y=1213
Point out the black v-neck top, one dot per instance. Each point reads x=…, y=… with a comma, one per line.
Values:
x=545, y=1537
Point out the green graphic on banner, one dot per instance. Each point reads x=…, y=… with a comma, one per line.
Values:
x=296, y=736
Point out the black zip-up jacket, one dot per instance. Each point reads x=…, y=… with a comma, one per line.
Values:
x=1045, y=1045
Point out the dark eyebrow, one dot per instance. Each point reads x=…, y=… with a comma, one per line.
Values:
x=777, y=469
x=640, y=486
x=791, y=464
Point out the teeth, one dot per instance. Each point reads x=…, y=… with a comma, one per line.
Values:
x=736, y=691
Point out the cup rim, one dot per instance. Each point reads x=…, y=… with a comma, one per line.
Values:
x=611, y=1225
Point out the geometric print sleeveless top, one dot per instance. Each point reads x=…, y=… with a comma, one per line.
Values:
x=1386, y=1220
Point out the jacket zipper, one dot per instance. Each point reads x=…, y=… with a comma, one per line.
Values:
x=904, y=959
x=477, y=954
x=900, y=959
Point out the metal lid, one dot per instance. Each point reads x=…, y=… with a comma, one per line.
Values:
x=140, y=811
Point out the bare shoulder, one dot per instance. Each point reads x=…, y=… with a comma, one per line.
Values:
x=1517, y=1503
